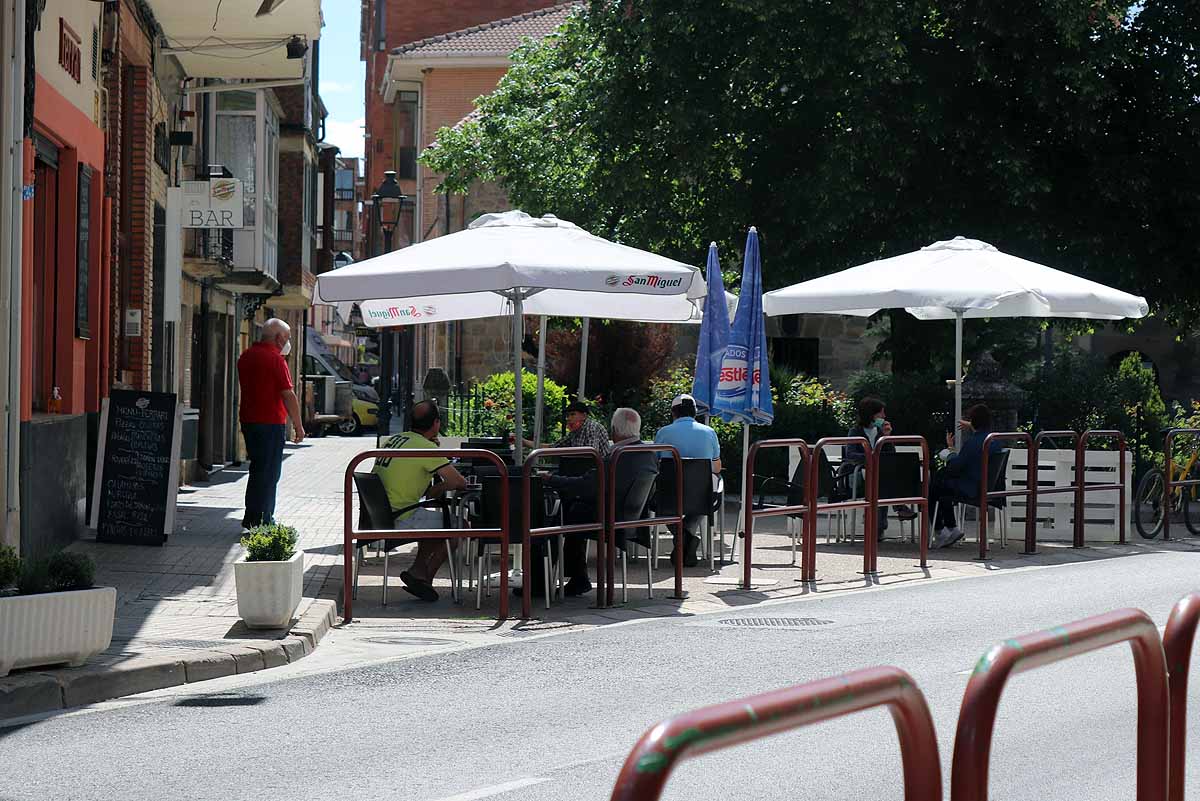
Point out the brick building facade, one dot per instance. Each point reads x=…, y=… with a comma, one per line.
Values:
x=424, y=73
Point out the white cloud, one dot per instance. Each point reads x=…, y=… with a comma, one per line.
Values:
x=346, y=134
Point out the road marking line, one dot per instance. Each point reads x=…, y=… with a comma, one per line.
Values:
x=495, y=789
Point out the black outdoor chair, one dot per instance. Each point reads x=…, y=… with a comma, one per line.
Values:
x=997, y=482
x=375, y=513
x=633, y=507
x=698, y=499
x=900, y=477
x=489, y=517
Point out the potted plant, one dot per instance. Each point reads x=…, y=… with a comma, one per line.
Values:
x=270, y=578
x=54, y=614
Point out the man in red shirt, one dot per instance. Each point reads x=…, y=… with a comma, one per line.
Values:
x=267, y=401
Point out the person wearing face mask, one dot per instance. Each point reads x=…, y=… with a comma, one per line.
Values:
x=872, y=424
x=267, y=400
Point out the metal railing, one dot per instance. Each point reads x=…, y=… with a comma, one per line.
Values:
x=1161, y=672
x=528, y=534
x=1177, y=646
x=752, y=514
x=987, y=494
x=808, y=566
x=977, y=716
x=613, y=525
x=1082, y=487
x=663, y=747
x=1035, y=490
x=351, y=533
x=921, y=501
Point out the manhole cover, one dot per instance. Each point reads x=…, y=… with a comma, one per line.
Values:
x=411, y=641
x=774, y=622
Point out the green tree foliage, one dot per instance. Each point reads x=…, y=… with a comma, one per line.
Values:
x=1059, y=130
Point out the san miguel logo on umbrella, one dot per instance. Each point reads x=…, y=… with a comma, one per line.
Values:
x=402, y=313
x=649, y=281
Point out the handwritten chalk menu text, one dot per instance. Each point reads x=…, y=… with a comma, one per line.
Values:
x=137, y=467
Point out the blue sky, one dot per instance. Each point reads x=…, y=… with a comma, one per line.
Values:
x=342, y=75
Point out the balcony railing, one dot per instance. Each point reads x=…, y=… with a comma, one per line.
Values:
x=210, y=245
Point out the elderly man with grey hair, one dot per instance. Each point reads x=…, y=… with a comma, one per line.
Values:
x=267, y=400
x=580, y=502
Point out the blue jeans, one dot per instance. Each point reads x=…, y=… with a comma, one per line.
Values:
x=264, y=446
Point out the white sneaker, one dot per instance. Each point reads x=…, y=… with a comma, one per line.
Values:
x=939, y=539
x=953, y=535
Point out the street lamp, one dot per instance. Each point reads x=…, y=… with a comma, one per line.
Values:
x=389, y=201
x=387, y=204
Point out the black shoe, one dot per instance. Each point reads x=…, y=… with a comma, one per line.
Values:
x=579, y=585
x=415, y=586
x=691, y=552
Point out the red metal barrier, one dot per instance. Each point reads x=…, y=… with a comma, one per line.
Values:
x=1082, y=487
x=1177, y=644
x=922, y=501
x=810, y=523
x=1031, y=519
x=1030, y=491
x=977, y=717
x=528, y=534
x=678, y=739
x=1168, y=483
x=808, y=566
x=676, y=519
x=351, y=533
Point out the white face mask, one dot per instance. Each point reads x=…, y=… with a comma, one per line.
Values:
x=286, y=349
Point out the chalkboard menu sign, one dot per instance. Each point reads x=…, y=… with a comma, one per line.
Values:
x=137, y=467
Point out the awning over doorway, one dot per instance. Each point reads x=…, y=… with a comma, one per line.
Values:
x=230, y=40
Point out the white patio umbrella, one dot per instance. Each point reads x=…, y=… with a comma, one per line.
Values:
x=955, y=279
x=513, y=264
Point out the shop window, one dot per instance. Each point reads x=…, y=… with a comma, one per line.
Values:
x=45, y=285
x=406, y=135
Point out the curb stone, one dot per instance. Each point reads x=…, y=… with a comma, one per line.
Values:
x=33, y=693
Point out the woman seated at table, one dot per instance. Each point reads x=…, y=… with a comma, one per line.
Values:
x=872, y=424
x=961, y=476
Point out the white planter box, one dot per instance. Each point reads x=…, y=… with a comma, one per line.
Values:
x=55, y=627
x=269, y=592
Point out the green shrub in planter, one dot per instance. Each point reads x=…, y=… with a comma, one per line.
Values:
x=62, y=572
x=71, y=571
x=270, y=543
x=10, y=566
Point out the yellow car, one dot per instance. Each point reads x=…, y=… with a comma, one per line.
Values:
x=364, y=417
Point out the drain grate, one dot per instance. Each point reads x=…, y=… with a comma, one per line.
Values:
x=774, y=622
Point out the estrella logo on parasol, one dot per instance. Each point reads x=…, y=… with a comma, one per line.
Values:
x=731, y=380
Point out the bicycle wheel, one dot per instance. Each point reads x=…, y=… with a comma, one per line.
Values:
x=1191, y=510
x=1148, y=505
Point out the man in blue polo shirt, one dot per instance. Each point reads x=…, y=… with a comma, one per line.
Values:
x=693, y=440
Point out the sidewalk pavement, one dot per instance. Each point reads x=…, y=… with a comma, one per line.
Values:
x=176, y=615
x=177, y=621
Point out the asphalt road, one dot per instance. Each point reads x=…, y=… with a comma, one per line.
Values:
x=553, y=718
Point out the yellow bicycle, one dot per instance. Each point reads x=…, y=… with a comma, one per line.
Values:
x=1151, y=504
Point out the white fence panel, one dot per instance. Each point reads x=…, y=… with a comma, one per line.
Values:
x=1056, y=513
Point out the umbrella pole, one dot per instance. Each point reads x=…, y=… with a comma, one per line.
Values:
x=540, y=403
x=518, y=407
x=958, y=375
x=583, y=346
x=747, y=484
